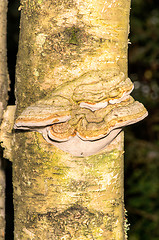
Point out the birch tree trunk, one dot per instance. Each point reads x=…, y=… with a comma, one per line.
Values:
x=3, y=104
x=57, y=195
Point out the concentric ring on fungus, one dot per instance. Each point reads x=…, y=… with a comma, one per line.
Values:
x=82, y=119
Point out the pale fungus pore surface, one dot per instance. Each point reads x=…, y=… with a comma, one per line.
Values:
x=84, y=115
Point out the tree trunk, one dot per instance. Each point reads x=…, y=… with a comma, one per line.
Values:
x=58, y=195
x=3, y=104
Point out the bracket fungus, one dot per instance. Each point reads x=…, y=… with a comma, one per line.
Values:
x=84, y=115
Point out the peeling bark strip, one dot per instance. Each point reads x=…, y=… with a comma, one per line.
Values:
x=62, y=43
x=4, y=82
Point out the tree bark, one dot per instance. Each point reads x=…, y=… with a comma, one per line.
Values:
x=4, y=80
x=57, y=195
x=3, y=103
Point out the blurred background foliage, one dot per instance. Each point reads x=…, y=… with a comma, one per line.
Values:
x=142, y=139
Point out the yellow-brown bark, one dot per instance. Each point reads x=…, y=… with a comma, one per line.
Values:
x=56, y=195
x=4, y=82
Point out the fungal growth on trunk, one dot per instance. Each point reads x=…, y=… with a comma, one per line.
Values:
x=84, y=115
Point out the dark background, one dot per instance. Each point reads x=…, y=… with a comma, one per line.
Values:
x=142, y=139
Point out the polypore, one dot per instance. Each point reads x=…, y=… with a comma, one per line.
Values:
x=84, y=115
